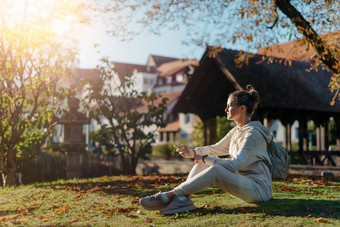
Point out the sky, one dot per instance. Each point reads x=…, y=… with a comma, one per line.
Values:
x=168, y=44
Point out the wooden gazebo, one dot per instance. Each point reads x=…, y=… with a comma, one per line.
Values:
x=287, y=92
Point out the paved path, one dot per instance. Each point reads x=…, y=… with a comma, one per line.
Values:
x=314, y=170
x=162, y=166
x=183, y=166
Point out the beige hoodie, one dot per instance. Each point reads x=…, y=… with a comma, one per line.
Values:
x=247, y=148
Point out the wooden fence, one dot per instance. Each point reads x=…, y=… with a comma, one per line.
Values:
x=49, y=167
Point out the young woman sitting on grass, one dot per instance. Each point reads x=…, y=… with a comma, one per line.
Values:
x=244, y=175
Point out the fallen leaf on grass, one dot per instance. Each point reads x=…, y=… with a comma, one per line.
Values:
x=66, y=207
x=149, y=220
x=74, y=220
x=131, y=215
x=14, y=217
x=107, y=212
x=290, y=189
x=54, y=206
x=247, y=209
x=18, y=222
x=23, y=212
x=96, y=189
x=308, y=216
x=79, y=197
x=35, y=206
x=123, y=210
x=159, y=215
x=45, y=219
x=320, y=220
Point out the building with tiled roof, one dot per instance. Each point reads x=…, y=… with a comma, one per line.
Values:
x=174, y=75
x=145, y=76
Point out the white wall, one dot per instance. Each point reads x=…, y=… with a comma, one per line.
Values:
x=144, y=82
x=186, y=124
x=169, y=88
x=278, y=127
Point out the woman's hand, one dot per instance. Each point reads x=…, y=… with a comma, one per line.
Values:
x=198, y=159
x=186, y=152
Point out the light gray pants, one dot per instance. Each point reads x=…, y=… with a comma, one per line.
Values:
x=202, y=176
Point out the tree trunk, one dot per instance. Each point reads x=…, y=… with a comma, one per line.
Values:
x=303, y=26
x=2, y=164
x=11, y=168
x=129, y=164
x=134, y=163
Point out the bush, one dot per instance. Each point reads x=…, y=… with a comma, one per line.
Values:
x=164, y=150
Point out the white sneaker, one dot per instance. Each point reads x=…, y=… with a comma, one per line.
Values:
x=153, y=202
x=178, y=206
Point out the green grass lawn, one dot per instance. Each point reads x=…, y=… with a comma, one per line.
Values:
x=113, y=201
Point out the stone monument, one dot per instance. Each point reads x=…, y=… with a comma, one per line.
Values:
x=73, y=144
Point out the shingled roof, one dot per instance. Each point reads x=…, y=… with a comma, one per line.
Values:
x=282, y=88
x=295, y=51
x=179, y=66
x=124, y=69
x=156, y=60
x=171, y=96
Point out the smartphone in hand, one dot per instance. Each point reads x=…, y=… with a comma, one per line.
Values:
x=181, y=150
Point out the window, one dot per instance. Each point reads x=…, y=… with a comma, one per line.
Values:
x=179, y=78
x=145, y=81
x=61, y=130
x=187, y=118
x=171, y=118
x=168, y=80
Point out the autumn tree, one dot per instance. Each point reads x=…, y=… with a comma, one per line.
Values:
x=252, y=23
x=33, y=59
x=128, y=119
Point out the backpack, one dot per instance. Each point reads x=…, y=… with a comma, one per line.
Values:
x=279, y=160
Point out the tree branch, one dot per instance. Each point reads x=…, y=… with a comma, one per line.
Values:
x=303, y=26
